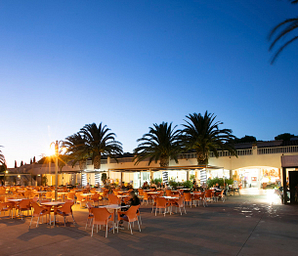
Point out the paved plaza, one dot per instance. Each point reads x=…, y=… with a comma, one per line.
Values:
x=243, y=225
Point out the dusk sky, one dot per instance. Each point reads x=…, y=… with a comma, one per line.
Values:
x=129, y=64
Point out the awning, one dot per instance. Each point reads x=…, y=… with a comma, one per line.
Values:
x=169, y=168
x=289, y=161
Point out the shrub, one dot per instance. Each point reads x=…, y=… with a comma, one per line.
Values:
x=156, y=181
x=220, y=182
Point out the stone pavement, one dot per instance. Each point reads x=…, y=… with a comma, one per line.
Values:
x=243, y=225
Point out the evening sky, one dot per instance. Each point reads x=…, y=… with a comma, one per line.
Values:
x=129, y=64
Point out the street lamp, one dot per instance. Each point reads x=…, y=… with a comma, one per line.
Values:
x=56, y=144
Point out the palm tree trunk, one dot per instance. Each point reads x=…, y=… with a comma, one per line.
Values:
x=202, y=158
x=164, y=161
x=96, y=162
x=82, y=164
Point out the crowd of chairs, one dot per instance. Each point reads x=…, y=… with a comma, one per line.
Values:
x=164, y=201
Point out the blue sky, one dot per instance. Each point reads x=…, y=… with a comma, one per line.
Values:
x=129, y=64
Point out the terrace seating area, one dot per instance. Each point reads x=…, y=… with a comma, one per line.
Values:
x=108, y=207
x=203, y=230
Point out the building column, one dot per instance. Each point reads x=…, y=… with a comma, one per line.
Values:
x=284, y=184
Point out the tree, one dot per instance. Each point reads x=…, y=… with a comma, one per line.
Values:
x=100, y=141
x=76, y=149
x=245, y=139
x=201, y=134
x=2, y=158
x=285, y=136
x=281, y=31
x=161, y=143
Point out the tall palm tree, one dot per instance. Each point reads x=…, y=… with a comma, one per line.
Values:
x=284, y=28
x=201, y=133
x=76, y=149
x=161, y=143
x=100, y=141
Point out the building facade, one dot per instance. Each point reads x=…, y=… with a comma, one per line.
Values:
x=257, y=165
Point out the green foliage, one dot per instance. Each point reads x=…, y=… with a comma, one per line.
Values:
x=201, y=133
x=156, y=181
x=160, y=144
x=285, y=136
x=220, y=182
x=100, y=141
x=283, y=31
x=44, y=180
x=103, y=177
x=245, y=139
x=3, y=167
x=192, y=177
x=229, y=181
x=187, y=184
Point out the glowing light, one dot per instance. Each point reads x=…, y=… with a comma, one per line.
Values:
x=51, y=150
x=272, y=197
x=6, y=171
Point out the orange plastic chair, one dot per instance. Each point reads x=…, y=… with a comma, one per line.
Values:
x=80, y=199
x=199, y=196
x=101, y=217
x=90, y=215
x=188, y=198
x=95, y=199
x=39, y=211
x=5, y=207
x=146, y=197
x=168, y=192
x=66, y=210
x=161, y=203
x=23, y=205
x=208, y=196
x=180, y=204
x=130, y=216
x=71, y=196
x=113, y=199
x=221, y=196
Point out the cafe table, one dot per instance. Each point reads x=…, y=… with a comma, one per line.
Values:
x=122, y=197
x=63, y=195
x=115, y=208
x=14, y=201
x=40, y=193
x=171, y=199
x=53, y=205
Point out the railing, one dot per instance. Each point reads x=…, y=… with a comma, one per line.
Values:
x=125, y=159
x=278, y=150
x=187, y=156
x=240, y=152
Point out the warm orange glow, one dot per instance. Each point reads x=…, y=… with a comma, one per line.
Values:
x=51, y=150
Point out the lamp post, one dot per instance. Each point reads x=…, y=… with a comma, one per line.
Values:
x=56, y=168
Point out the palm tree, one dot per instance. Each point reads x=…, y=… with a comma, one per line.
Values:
x=161, y=143
x=76, y=150
x=201, y=133
x=284, y=28
x=2, y=158
x=100, y=141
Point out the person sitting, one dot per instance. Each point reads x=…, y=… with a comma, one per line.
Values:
x=133, y=201
x=123, y=185
x=87, y=187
